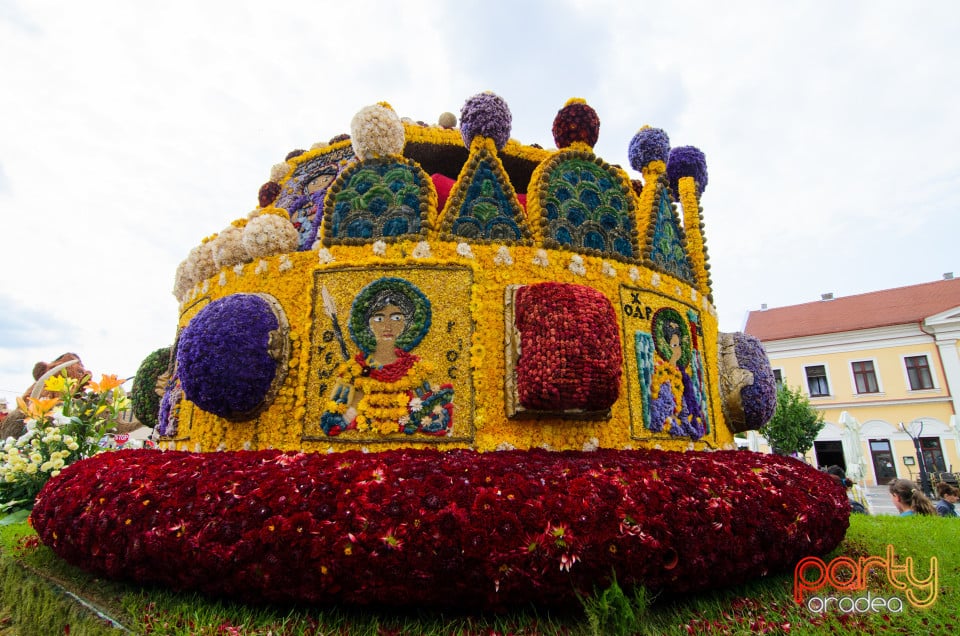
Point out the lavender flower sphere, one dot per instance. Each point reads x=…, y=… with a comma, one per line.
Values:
x=759, y=398
x=647, y=146
x=687, y=161
x=487, y=115
x=227, y=355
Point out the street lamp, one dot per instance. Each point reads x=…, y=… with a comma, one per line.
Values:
x=924, y=477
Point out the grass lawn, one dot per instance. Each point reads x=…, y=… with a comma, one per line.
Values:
x=43, y=595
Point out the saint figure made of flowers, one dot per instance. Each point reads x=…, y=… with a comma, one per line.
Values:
x=384, y=389
x=677, y=404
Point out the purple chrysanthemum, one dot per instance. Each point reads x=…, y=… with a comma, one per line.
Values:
x=760, y=398
x=488, y=115
x=222, y=358
x=687, y=161
x=648, y=145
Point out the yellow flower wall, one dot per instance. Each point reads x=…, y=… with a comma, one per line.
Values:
x=480, y=421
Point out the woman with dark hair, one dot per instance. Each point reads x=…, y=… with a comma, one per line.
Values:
x=840, y=476
x=909, y=500
x=948, y=498
x=384, y=388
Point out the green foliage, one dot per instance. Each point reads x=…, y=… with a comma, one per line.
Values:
x=794, y=425
x=146, y=402
x=612, y=612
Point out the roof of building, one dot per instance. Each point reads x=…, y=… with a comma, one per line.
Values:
x=885, y=308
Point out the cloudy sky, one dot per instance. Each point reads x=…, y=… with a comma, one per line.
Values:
x=129, y=131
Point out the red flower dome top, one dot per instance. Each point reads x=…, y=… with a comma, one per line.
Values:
x=576, y=121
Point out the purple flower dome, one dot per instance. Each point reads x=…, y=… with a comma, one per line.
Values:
x=759, y=398
x=687, y=161
x=487, y=115
x=648, y=145
x=224, y=358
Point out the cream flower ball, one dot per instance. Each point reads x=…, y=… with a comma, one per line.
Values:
x=270, y=233
x=377, y=131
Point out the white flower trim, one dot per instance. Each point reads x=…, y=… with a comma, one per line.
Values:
x=541, y=258
x=608, y=270
x=379, y=248
x=238, y=269
x=577, y=266
x=285, y=263
x=325, y=257
x=223, y=279
x=503, y=256
x=634, y=274
x=655, y=279
x=422, y=250
x=261, y=267
x=464, y=250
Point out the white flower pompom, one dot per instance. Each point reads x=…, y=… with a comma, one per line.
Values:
x=422, y=250
x=227, y=249
x=655, y=279
x=262, y=267
x=285, y=263
x=379, y=248
x=591, y=445
x=324, y=256
x=464, y=250
x=269, y=234
x=608, y=270
x=376, y=131
x=279, y=171
x=183, y=282
x=503, y=256
x=577, y=266
x=223, y=279
x=200, y=262
x=541, y=258
x=634, y=274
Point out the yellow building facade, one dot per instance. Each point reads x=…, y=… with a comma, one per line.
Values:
x=883, y=368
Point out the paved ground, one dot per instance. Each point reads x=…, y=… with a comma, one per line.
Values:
x=878, y=500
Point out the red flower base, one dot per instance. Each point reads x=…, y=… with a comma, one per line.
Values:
x=444, y=529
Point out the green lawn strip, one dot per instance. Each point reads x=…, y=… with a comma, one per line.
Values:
x=763, y=604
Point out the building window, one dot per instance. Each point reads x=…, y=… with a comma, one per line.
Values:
x=817, y=381
x=778, y=377
x=932, y=454
x=918, y=373
x=865, y=377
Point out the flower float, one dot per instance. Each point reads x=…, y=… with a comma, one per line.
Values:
x=450, y=369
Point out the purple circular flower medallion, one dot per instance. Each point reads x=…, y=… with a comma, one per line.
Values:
x=232, y=357
x=760, y=397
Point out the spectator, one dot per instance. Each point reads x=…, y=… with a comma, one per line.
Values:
x=948, y=497
x=840, y=476
x=909, y=500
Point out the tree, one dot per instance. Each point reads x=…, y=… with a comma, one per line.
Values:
x=794, y=425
